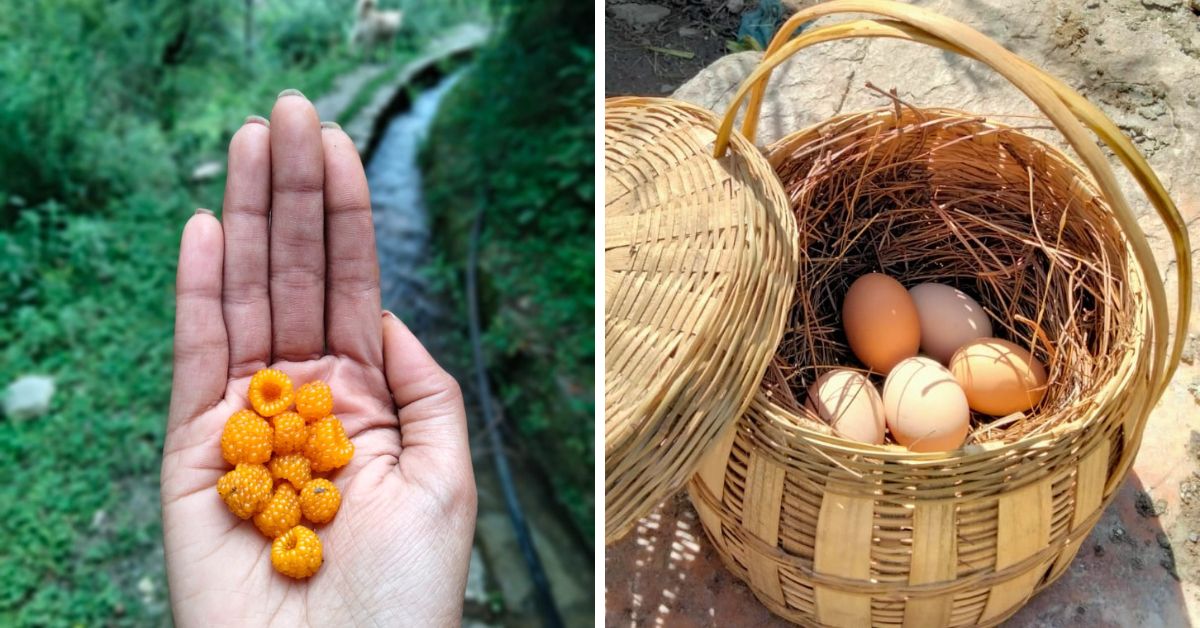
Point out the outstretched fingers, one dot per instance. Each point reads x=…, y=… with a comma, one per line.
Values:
x=247, y=303
x=297, y=250
x=352, y=322
x=201, y=346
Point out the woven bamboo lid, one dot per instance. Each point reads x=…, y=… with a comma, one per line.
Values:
x=700, y=263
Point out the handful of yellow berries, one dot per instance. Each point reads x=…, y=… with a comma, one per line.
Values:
x=276, y=452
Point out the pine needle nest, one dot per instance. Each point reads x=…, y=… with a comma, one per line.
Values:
x=936, y=195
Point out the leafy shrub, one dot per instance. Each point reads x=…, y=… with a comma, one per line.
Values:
x=516, y=134
x=304, y=31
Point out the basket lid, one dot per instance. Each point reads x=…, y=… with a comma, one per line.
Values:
x=700, y=265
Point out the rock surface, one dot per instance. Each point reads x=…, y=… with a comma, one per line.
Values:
x=207, y=171
x=28, y=396
x=639, y=15
x=1139, y=64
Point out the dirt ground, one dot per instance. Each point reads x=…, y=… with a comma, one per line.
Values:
x=699, y=28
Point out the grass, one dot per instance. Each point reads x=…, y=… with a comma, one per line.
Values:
x=80, y=512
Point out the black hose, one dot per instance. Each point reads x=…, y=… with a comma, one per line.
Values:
x=545, y=598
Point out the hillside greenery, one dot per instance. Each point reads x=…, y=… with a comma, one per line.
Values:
x=516, y=137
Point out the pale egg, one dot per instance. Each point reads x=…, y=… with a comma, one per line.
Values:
x=949, y=319
x=925, y=408
x=999, y=377
x=849, y=403
x=881, y=322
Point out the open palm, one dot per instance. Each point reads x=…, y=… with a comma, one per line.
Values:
x=290, y=280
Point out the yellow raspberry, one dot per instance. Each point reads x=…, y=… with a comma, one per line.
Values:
x=270, y=392
x=293, y=468
x=246, y=438
x=281, y=514
x=328, y=447
x=296, y=553
x=319, y=500
x=290, y=432
x=246, y=489
x=314, y=400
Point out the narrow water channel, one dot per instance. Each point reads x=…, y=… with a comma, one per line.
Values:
x=401, y=220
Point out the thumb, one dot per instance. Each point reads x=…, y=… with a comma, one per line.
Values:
x=429, y=400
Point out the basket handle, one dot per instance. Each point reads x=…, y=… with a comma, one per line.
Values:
x=1065, y=109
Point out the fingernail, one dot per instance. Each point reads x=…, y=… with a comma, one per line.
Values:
x=201, y=210
x=329, y=124
x=289, y=92
x=258, y=120
x=389, y=313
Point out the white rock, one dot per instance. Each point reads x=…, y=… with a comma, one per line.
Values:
x=207, y=170
x=28, y=396
x=146, y=587
x=476, y=579
x=639, y=15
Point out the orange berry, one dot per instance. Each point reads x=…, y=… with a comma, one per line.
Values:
x=293, y=468
x=281, y=514
x=328, y=447
x=270, y=392
x=319, y=500
x=246, y=438
x=246, y=489
x=296, y=553
x=290, y=432
x=314, y=400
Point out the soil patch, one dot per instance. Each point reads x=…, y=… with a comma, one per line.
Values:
x=652, y=59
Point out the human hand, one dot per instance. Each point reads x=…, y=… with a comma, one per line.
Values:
x=308, y=304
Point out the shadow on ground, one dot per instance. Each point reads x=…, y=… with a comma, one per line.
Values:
x=666, y=573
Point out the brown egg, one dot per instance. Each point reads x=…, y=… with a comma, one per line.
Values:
x=925, y=408
x=949, y=319
x=881, y=322
x=849, y=403
x=998, y=376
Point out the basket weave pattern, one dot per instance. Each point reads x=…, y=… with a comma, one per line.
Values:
x=700, y=261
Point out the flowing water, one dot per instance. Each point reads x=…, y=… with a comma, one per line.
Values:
x=403, y=238
x=401, y=221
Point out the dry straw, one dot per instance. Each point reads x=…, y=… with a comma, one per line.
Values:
x=831, y=532
x=700, y=261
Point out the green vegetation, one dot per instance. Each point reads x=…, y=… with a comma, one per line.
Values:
x=106, y=106
x=516, y=135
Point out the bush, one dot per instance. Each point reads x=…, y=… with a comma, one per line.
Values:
x=305, y=31
x=516, y=134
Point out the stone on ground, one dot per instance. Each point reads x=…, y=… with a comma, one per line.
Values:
x=28, y=396
x=639, y=15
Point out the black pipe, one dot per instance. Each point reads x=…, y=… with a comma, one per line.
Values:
x=545, y=597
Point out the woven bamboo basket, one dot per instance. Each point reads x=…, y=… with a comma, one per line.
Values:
x=831, y=532
x=700, y=261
